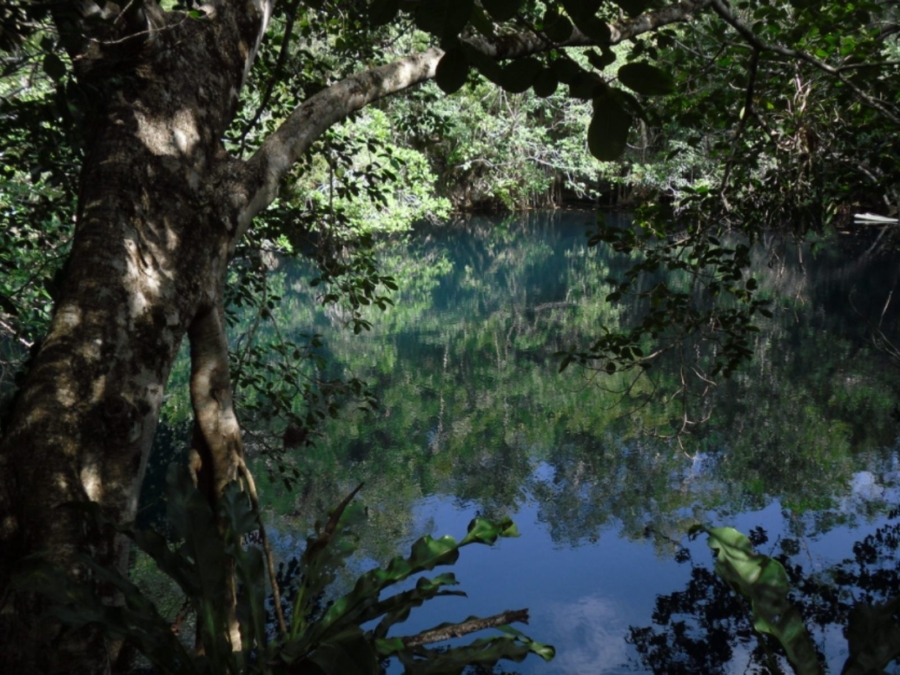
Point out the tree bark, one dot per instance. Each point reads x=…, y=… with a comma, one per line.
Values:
x=154, y=230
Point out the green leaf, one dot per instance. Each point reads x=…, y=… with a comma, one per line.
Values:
x=646, y=79
x=558, y=29
x=54, y=67
x=8, y=306
x=236, y=510
x=443, y=18
x=587, y=86
x=512, y=646
x=396, y=608
x=566, y=70
x=138, y=621
x=608, y=131
x=600, y=61
x=481, y=22
x=427, y=553
x=349, y=653
x=873, y=636
x=584, y=15
x=502, y=10
x=519, y=75
x=193, y=521
x=546, y=652
x=382, y=12
x=250, y=570
x=452, y=71
x=485, y=531
x=633, y=7
x=763, y=581
x=546, y=83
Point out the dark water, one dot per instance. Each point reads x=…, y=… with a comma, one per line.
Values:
x=475, y=419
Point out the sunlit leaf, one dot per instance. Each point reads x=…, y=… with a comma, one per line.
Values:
x=763, y=581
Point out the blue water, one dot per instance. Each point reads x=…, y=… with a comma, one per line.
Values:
x=475, y=420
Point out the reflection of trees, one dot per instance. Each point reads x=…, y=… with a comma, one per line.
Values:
x=639, y=486
x=706, y=628
x=493, y=478
x=705, y=642
x=471, y=402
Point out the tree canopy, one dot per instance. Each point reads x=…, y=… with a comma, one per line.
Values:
x=155, y=153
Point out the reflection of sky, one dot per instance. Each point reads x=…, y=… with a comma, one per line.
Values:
x=588, y=635
x=584, y=581
x=583, y=599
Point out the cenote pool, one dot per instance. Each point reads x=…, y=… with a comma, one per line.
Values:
x=797, y=449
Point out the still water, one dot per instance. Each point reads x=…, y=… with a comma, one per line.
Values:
x=798, y=447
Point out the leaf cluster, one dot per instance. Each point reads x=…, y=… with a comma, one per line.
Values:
x=460, y=26
x=712, y=303
x=317, y=639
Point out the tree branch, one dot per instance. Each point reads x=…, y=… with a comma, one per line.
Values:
x=465, y=627
x=312, y=118
x=752, y=38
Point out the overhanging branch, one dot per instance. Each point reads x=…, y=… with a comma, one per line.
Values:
x=753, y=39
x=313, y=117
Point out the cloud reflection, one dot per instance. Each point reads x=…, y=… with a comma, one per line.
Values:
x=588, y=636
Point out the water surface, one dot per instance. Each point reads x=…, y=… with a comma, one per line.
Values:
x=475, y=419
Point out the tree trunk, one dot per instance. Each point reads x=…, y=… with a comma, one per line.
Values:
x=155, y=227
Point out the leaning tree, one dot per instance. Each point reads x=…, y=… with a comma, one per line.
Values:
x=162, y=205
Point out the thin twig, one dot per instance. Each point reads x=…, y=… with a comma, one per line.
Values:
x=251, y=334
x=742, y=123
